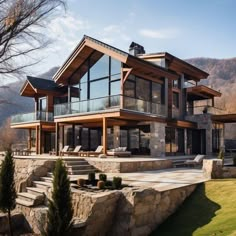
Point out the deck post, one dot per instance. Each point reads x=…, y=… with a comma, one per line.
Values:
x=37, y=139
x=104, y=134
x=29, y=139
x=57, y=139
x=40, y=139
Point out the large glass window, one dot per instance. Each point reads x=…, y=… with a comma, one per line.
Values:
x=115, y=66
x=156, y=93
x=100, y=69
x=175, y=100
x=129, y=88
x=83, y=91
x=42, y=104
x=115, y=87
x=99, y=88
x=142, y=89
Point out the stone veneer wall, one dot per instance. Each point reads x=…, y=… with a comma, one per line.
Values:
x=130, y=166
x=28, y=170
x=157, y=140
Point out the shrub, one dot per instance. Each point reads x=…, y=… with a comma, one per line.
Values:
x=81, y=182
x=101, y=184
x=108, y=183
x=103, y=177
x=60, y=211
x=117, y=182
x=91, y=177
x=7, y=187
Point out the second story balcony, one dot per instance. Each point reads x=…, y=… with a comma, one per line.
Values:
x=111, y=103
x=32, y=117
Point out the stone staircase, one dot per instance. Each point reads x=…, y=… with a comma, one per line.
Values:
x=79, y=167
x=37, y=194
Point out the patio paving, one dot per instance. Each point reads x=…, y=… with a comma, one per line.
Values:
x=160, y=180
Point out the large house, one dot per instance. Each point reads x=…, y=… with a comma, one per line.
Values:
x=104, y=96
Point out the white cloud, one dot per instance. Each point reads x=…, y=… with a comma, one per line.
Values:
x=159, y=34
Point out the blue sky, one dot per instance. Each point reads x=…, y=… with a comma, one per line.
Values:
x=185, y=28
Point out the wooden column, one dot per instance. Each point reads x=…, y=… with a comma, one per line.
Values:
x=57, y=139
x=29, y=140
x=104, y=134
x=40, y=139
x=37, y=139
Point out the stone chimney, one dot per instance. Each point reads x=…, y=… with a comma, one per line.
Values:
x=135, y=49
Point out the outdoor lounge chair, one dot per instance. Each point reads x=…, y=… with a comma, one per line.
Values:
x=196, y=161
x=64, y=149
x=73, y=152
x=119, y=152
x=92, y=153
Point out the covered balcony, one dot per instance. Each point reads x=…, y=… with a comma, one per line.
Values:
x=108, y=104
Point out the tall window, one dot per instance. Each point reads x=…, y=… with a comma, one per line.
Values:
x=175, y=100
x=99, y=76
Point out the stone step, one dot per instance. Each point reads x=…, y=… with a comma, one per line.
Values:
x=47, y=179
x=36, y=199
x=42, y=185
x=50, y=174
x=35, y=191
x=81, y=172
x=24, y=202
x=71, y=163
x=79, y=167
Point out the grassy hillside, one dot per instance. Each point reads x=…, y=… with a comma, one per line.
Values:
x=210, y=210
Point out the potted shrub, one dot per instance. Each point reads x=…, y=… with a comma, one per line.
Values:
x=91, y=178
x=117, y=182
x=81, y=182
x=103, y=177
x=101, y=184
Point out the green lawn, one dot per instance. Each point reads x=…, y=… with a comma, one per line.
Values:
x=210, y=210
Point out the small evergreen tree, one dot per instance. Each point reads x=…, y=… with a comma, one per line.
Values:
x=60, y=210
x=7, y=187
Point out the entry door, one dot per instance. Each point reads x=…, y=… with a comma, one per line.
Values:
x=49, y=141
x=199, y=141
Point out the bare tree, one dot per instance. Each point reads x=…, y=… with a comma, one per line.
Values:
x=21, y=24
x=8, y=136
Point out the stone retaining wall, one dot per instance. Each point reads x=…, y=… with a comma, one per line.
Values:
x=28, y=170
x=128, y=212
x=129, y=166
x=214, y=169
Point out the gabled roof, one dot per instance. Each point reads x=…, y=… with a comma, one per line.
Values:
x=88, y=45
x=40, y=86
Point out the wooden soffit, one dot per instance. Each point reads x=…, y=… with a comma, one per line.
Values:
x=182, y=124
x=201, y=92
x=225, y=118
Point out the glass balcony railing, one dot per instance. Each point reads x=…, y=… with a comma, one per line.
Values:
x=107, y=103
x=31, y=117
x=144, y=106
x=197, y=110
x=92, y=105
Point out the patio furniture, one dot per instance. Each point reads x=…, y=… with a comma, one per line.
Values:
x=73, y=152
x=91, y=153
x=119, y=152
x=64, y=149
x=196, y=161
